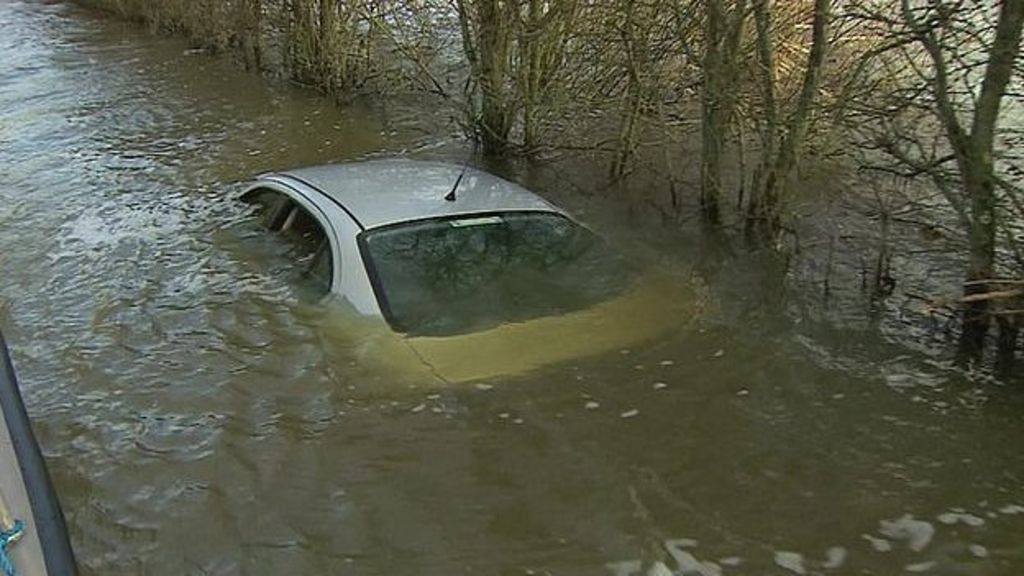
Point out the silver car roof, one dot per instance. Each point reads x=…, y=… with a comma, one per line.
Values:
x=381, y=192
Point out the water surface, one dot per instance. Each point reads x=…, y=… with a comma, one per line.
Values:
x=200, y=417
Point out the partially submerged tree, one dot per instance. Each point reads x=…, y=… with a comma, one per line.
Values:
x=947, y=68
x=723, y=33
x=514, y=50
x=331, y=43
x=783, y=140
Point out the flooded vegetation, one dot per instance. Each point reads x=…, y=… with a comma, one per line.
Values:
x=201, y=414
x=715, y=109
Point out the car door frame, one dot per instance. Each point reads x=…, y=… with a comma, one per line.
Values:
x=318, y=213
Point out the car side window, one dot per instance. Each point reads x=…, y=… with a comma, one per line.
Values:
x=306, y=242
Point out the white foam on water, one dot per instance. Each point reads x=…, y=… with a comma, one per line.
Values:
x=792, y=561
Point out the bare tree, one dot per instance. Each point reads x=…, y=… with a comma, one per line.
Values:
x=935, y=119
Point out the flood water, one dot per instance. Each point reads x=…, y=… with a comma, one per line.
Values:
x=199, y=418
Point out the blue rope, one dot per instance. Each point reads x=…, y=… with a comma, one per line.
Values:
x=7, y=538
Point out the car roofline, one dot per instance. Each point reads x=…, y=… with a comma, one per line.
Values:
x=285, y=177
x=369, y=202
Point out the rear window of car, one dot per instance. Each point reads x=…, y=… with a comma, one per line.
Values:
x=302, y=252
x=457, y=275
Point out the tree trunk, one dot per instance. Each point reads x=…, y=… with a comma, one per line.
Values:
x=250, y=34
x=493, y=47
x=766, y=207
x=531, y=43
x=981, y=265
x=723, y=32
x=326, y=46
x=770, y=124
x=633, y=98
x=627, y=132
x=1006, y=349
x=712, y=127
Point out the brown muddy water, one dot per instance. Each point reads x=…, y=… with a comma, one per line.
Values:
x=199, y=418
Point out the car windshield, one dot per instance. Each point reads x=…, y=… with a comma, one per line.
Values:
x=470, y=273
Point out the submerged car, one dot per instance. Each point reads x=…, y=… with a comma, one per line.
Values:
x=470, y=275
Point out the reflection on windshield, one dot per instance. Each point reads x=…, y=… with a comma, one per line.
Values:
x=451, y=276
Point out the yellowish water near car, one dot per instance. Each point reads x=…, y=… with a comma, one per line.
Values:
x=655, y=307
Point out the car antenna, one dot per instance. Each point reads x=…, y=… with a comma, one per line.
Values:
x=450, y=196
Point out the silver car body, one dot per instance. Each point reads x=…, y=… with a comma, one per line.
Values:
x=349, y=198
